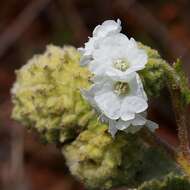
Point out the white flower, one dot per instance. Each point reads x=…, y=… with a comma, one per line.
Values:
x=116, y=55
x=117, y=93
x=110, y=52
x=107, y=28
x=130, y=126
x=118, y=99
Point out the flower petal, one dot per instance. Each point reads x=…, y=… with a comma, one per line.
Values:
x=89, y=46
x=97, y=68
x=121, y=125
x=112, y=129
x=115, y=74
x=85, y=60
x=117, y=40
x=140, y=91
x=90, y=93
x=152, y=126
x=109, y=104
x=125, y=116
x=139, y=120
x=136, y=56
x=89, y=96
x=103, y=118
x=132, y=104
x=118, y=75
x=107, y=27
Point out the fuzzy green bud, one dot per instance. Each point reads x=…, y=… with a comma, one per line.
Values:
x=153, y=76
x=46, y=94
x=102, y=162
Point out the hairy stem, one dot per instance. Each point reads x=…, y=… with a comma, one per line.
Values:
x=173, y=84
x=181, y=122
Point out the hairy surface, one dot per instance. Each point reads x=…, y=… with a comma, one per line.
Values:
x=46, y=95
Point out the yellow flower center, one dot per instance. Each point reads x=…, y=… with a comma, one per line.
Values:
x=121, y=64
x=121, y=88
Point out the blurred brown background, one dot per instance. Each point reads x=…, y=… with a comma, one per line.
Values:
x=27, y=26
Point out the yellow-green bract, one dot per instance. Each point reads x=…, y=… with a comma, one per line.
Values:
x=46, y=95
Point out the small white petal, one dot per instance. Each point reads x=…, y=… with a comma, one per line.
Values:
x=133, y=84
x=103, y=86
x=104, y=119
x=122, y=125
x=132, y=43
x=115, y=74
x=112, y=129
x=81, y=50
x=100, y=80
x=107, y=27
x=89, y=46
x=137, y=57
x=118, y=75
x=118, y=22
x=140, y=90
x=88, y=96
x=133, y=104
x=152, y=126
x=90, y=93
x=109, y=104
x=97, y=68
x=124, y=76
x=125, y=116
x=139, y=120
x=114, y=41
x=85, y=60
x=96, y=30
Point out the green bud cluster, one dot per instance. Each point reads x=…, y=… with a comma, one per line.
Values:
x=94, y=157
x=46, y=94
x=153, y=76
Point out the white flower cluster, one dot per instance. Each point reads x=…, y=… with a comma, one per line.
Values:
x=117, y=93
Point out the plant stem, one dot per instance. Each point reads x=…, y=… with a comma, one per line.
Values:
x=181, y=122
x=173, y=84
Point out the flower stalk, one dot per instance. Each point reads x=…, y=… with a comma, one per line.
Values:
x=158, y=75
x=179, y=108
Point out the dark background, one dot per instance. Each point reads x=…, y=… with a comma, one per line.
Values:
x=27, y=26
